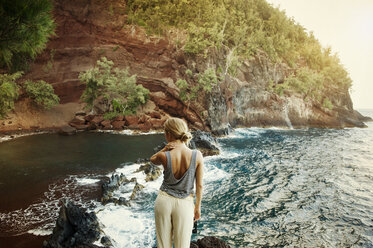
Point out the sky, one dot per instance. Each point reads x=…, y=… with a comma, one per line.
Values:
x=346, y=26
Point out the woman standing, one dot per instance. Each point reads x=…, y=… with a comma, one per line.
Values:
x=174, y=207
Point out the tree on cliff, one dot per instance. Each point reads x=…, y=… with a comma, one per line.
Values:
x=25, y=28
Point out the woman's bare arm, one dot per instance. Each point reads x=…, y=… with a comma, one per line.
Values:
x=160, y=157
x=199, y=186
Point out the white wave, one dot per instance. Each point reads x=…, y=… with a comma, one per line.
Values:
x=14, y=136
x=212, y=174
x=40, y=232
x=127, y=132
x=87, y=181
x=128, y=227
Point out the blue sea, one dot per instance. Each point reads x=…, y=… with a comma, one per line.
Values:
x=268, y=187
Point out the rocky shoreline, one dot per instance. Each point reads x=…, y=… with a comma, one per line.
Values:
x=77, y=228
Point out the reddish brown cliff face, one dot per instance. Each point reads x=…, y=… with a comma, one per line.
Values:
x=90, y=29
x=87, y=30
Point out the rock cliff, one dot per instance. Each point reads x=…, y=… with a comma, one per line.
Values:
x=90, y=29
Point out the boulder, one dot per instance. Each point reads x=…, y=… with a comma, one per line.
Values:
x=115, y=181
x=143, y=118
x=138, y=187
x=155, y=114
x=83, y=127
x=156, y=123
x=204, y=142
x=151, y=171
x=223, y=131
x=67, y=130
x=97, y=120
x=211, y=242
x=118, y=124
x=119, y=118
x=106, y=241
x=145, y=127
x=89, y=117
x=78, y=120
x=131, y=120
x=106, y=124
x=75, y=227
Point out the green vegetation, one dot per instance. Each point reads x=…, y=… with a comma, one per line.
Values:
x=115, y=86
x=327, y=104
x=8, y=92
x=246, y=28
x=41, y=93
x=206, y=81
x=25, y=28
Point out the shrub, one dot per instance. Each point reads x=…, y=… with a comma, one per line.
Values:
x=327, y=104
x=208, y=79
x=115, y=85
x=41, y=93
x=205, y=83
x=8, y=92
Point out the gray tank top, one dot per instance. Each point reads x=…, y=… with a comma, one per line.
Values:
x=183, y=187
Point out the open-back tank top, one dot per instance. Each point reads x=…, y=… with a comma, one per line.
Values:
x=182, y=187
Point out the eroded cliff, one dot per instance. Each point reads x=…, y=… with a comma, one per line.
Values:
x=90, y=29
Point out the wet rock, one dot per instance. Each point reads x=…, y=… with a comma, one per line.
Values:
x=223, y=131
x=109, y=187
x=193, y=244
x=142, y=160
x=138, y=187
x=114, y=183
x=123, y=201
x=75, y=227
x=211, y=242
x=152, y=171
x=204, y=142
x=106, y=241
x=67, y=130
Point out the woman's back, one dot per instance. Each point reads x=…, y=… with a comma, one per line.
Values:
x=180, y=171
x=181, y=159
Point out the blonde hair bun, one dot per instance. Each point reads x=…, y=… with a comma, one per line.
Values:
x=186, y=136
x=178, y=129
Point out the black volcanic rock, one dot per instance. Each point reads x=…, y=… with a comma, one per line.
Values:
x=209, y=242
x=204, y=142
x=74, y=228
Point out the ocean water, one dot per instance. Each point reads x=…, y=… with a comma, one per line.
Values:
x=268, y=188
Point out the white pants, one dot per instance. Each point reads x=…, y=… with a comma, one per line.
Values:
x=173, y=217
